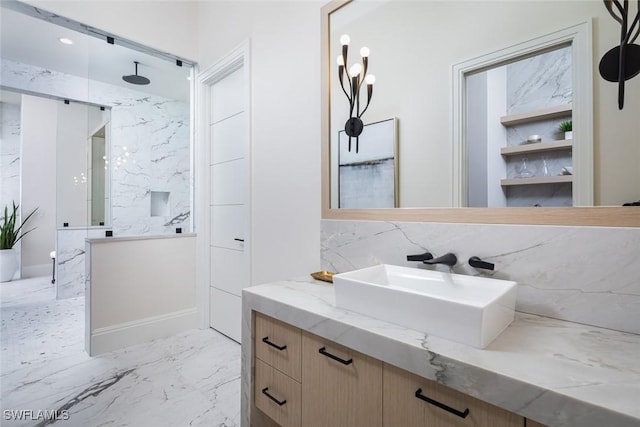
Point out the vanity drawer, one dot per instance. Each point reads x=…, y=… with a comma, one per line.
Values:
x=277, y=395
x=340, y=386
x=279, y=345
x=404, y=403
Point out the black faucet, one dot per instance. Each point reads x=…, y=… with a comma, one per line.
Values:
x=422, y=257
x=476, y=262
x=446, y=259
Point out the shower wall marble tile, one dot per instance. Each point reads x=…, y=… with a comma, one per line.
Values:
x=540, y=81
x=532, y=84
x=154, y=130
x=10, y=159
x=70, y=256
x=589, y=275
x=9, y=153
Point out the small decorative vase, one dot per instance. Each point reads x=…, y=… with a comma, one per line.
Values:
x=8, y=264
x=568, y=135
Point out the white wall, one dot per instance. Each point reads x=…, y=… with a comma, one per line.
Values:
x=285, y=131
x=39, y=128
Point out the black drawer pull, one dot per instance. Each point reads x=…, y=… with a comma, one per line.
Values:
x=238, y=240
x=279, y=347
x=324, y=352
x=265, y=391
x=421, y=396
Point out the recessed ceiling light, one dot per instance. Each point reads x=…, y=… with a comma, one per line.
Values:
x=65, y=40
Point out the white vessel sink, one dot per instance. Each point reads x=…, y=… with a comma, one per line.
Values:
x=467, y=309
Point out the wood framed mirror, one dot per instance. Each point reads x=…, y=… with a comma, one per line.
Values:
x=626, y=130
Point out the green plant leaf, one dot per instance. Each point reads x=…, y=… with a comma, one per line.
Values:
x=9, y=233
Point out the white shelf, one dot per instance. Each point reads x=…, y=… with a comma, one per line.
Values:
x=564, y=144
x=537, y=115
x=537, y=180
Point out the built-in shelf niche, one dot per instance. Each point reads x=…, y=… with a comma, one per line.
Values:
x=548, y=113
x=539, y=147
x=160, y=203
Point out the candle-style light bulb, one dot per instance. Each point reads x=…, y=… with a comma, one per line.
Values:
x=345, y=39
x=364, y=52
x=370, y=79
x=340, y=60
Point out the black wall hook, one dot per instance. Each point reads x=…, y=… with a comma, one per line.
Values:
x=622, y=62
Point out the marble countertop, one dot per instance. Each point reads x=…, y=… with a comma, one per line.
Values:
x=138, y=237
x=555, y=372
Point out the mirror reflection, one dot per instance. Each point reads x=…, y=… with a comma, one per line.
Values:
x=98, y=176
x=499, y=158
x=516, y=154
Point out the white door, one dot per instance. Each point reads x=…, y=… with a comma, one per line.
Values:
x=229, y=200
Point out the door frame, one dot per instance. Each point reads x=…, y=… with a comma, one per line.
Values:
x=236, y=58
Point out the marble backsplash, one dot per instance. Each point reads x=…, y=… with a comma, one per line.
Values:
x=588, y=275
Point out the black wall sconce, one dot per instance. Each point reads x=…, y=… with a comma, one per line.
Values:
x=355, y=76
x=622, y=62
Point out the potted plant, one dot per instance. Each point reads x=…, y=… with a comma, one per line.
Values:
x=10, y=233
x=566, y=126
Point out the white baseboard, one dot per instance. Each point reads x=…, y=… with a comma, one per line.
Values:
x=37, y=270
x=139, y=331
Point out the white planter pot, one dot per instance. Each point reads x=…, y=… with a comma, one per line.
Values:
x=568, y=135
x=8, y=264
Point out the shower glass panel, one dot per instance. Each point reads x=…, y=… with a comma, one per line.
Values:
x=135, y=104
x=149, y=137
x=81, y=140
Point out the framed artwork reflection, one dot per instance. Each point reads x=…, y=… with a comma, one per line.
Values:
x=369, y=178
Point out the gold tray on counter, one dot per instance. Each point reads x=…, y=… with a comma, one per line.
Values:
x=325, y=276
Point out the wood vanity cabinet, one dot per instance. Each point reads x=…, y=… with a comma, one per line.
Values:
x=340, y=387
x=277, y=389
x=303, y=380
x=413, y=401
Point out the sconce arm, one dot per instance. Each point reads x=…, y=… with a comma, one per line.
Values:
x=633, y=25
x=369, y=94
x=609, y=5
x=341, y=71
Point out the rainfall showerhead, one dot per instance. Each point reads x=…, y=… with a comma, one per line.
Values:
x=135, y=78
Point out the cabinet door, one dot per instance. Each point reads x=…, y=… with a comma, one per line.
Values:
x=340, y=387
x=277, y=395
x=279, y=345
x=405, y=404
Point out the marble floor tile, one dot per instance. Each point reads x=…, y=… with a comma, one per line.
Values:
x=190, y=379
